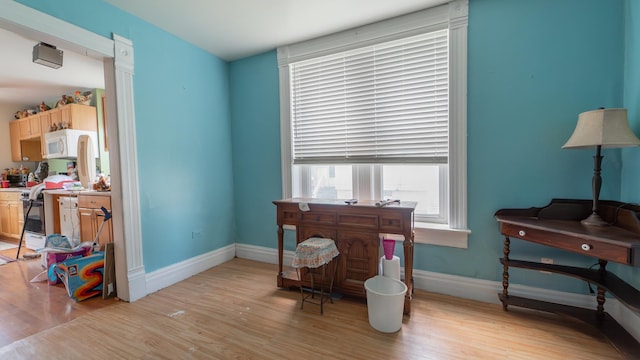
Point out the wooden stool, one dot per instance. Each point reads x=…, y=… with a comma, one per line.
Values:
x=314, y=253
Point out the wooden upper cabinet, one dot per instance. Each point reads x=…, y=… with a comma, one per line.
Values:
x=27, y=134
x=25, y=129
x=29, y=127
x=45, y=125
x=34, y=125
x=14, y=133
x=74, y=116
x=23, y=149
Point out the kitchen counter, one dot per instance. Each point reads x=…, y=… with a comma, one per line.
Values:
x=52, y=210
x=14, y=189
x=76, y=192
x=58, y=191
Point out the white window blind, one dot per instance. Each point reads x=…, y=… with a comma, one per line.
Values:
x=385, y=103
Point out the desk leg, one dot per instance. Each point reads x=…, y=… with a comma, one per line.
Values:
x=408, y=270
x=280, y=254
x=505, y=273
x=600, y=298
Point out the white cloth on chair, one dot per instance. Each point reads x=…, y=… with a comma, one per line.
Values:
x=314, y=252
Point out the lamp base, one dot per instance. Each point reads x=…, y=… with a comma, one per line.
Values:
x=594, y=220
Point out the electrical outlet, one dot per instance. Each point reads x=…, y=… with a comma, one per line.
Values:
x=196, y=235
x=546, y=261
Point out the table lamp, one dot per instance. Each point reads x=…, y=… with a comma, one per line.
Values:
x=602, y=128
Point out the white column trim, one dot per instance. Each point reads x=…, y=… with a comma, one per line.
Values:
x=285, y=126
x=458, y=114
x=128, y=191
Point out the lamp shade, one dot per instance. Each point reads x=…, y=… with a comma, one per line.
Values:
x=608, y=128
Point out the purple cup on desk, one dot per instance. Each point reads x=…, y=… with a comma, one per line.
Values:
x=388, y=247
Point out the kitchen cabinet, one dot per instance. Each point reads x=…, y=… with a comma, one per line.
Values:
x=74, y=116
x=91, y=217
x=23, y=150
x=356, y=231
x=27, y=134
x=29, y=127
x=14, y=133
x=11, y=214
x=45, y=125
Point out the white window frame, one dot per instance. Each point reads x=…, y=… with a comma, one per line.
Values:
x=454, y=16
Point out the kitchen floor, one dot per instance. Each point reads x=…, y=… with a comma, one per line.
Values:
x=31, y=307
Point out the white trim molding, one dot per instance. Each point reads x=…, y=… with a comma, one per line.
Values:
x=125, y=152
x=487, y=291
x=174, y=273
x=31, y=23
x=263, y=254
x=458, y=28
x=436, y=234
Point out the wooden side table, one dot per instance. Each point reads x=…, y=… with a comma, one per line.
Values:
x=558, y=225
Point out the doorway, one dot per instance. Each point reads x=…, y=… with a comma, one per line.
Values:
x=117, y=57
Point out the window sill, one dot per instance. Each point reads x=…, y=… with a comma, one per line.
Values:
x=436, y=234
x=428, y=233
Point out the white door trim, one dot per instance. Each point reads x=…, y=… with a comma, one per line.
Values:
x=117, y=55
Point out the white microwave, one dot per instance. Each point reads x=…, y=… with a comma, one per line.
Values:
x=64, y=143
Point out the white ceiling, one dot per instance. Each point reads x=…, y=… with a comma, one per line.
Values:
x=25, y=83
x=233, y=29
x=229, y=29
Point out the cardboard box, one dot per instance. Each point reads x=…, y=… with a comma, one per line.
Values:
x=82, y=276
x=58, y=257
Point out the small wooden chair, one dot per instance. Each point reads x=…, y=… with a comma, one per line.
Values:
x=313, y=253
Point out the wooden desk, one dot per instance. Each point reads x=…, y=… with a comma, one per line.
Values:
x=355, y=229
x=558, y=225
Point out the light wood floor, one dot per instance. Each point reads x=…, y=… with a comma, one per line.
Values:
x=235, y=311
x=28, y=308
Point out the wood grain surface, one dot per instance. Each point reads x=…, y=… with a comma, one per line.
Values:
x=235, y=311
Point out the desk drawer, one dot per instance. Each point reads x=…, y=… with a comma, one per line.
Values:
x=320, y=218
x=94, y=201
x=358, y=220
x=391, y=224
x=289, y=217
x=597, y=249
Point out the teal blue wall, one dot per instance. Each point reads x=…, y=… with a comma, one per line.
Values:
x=532, y=69
x=631, y=157
x=182, y=129
x=255, y=112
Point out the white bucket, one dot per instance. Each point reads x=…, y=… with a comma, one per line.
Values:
x=385, y=303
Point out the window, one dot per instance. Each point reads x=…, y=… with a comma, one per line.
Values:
x=380, y=112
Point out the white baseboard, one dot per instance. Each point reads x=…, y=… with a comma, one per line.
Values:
x=476, y=289
x=175, y=273
x=263, y=254
x=137, y=285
